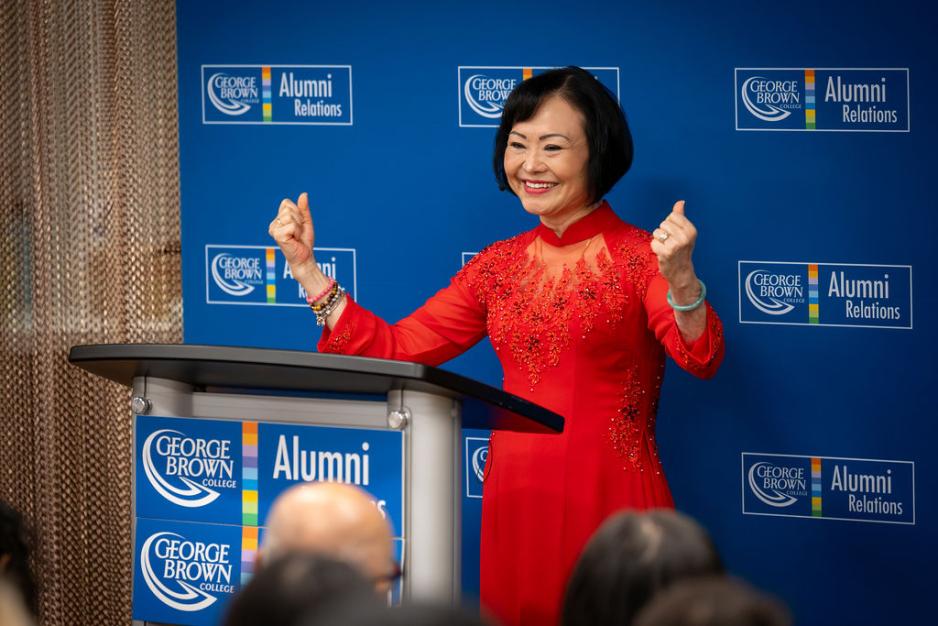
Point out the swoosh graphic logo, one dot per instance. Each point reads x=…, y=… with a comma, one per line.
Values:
x=478, y=462
x=235, y=287
x=189, y=599
x=773, y=307
x=192, y=496
x=230, y=107
x=776, y=498
x=489, y=109
x=770, y=113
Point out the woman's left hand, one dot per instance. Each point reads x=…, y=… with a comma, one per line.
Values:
x=673, y=243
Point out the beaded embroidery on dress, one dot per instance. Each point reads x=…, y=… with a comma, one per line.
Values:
x=554, y=297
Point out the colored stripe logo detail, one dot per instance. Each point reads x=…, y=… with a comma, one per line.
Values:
x=526, y=73
x=266, y=99
x=814, y=314
x=810, y=110
x=271, y=276
x=249, y=475
x=248, y=552
x=816, y=486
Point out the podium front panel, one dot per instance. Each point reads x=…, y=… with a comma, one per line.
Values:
x=204, y=483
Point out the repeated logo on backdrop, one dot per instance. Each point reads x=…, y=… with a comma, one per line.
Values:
x=859, y=490
x=825, y=294
x=260, y=275
x=277, y=94
x=484, y=90
x=477, y=452
x=822, y=99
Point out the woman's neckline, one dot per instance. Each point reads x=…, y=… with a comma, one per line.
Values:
x=587, y=226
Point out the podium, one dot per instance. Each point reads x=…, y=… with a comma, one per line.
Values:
x=259, y=394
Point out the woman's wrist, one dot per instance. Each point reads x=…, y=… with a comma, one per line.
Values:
x=685, y=289
x=306, y=269
x=314, y=282
x=310, y=277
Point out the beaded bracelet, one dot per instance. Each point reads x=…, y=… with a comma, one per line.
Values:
x=310, y=300
x=684, y=308
x=331, y=305
x=329, y=298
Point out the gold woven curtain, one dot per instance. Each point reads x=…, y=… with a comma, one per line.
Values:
x=89, y=253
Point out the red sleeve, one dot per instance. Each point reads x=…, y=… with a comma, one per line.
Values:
x=448, y=324
x=702, y=356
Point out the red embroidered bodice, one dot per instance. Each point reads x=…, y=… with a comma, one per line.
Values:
x=581, y=325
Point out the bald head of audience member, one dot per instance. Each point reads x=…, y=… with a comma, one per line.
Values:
x=333, y=519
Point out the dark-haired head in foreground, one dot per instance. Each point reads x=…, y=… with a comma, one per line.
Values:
x=297, y=586
x=608, y=137
x=715, y=601
x=629, y=559
x=14, y=555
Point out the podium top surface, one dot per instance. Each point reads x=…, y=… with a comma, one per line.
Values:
x=234, y=368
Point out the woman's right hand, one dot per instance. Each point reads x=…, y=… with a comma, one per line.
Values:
x=292, y=229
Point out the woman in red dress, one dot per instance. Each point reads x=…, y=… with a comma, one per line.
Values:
x=581, y=311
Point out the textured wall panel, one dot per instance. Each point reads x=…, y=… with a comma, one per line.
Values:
x=89, y=199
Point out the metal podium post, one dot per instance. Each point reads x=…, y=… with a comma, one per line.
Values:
x=432, y=514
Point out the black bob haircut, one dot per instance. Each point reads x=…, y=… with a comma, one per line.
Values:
x=607, y=132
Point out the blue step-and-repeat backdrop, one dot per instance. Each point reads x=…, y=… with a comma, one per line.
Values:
x=803, y=140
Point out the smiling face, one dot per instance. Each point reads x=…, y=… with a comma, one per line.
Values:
x=546, y=162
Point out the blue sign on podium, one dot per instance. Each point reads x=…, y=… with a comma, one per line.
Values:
x=203, y=489
x=185, y=573
x=188, y=469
